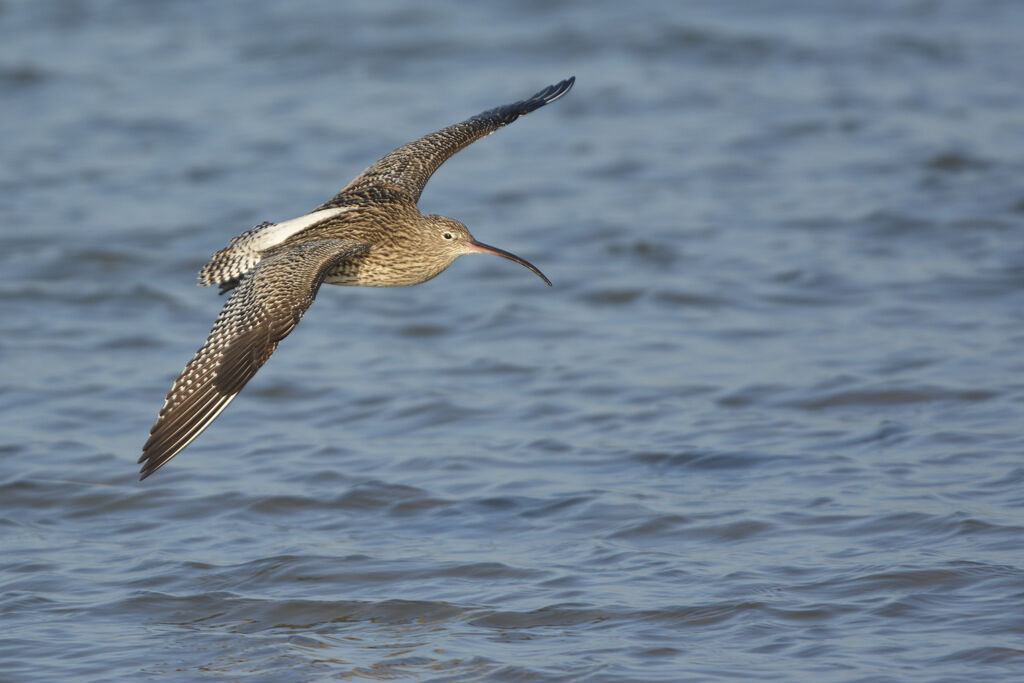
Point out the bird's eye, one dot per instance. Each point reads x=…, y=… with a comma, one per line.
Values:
x=448, y=236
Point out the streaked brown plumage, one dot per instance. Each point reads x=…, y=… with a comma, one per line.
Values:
x=370, y=234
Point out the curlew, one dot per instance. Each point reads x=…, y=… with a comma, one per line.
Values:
x=371, y=234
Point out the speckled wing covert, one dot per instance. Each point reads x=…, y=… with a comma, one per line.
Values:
x=266, y=306
x=409, y=167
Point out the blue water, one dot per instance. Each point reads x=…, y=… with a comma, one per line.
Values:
x=768, y=423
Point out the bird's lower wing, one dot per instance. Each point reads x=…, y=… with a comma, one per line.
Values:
x=266, y=306
x=409, y=167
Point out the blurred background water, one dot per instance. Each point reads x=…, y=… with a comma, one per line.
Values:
x=767, y=424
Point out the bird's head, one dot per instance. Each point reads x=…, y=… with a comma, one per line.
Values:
x=453, y=239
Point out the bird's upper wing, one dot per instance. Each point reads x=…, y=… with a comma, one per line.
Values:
x=266, y=306
x=409, y=167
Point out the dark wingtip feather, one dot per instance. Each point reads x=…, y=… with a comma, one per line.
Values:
x=553, y=92
x=548, y=95
x=508, y=113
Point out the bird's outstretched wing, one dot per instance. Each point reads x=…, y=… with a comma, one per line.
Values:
x=409, y=167
x=266, y=306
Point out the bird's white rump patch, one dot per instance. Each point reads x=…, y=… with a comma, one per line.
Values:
x=271, y=235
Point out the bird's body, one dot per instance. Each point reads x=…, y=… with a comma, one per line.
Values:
x=371, y=234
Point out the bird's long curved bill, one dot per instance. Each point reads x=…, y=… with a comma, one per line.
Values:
x=488, y=249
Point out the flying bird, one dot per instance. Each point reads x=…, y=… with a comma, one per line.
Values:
x=371, y=234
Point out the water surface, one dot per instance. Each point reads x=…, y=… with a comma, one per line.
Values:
x=767, y=424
